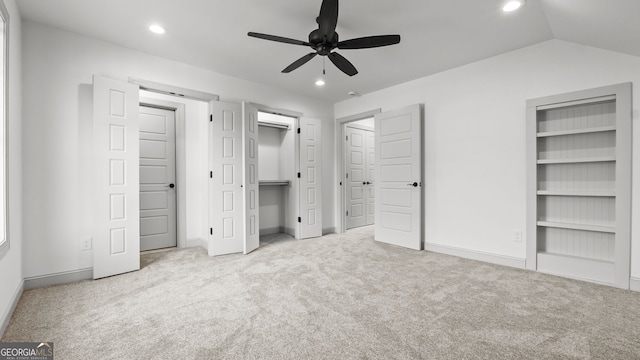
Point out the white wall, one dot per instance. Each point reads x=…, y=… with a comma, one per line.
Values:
x=475, y=137
x=57, y=71
x=11, y=262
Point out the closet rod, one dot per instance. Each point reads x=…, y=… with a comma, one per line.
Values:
x=274, y=124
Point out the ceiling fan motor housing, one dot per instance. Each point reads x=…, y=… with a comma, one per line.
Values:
x=322, y=46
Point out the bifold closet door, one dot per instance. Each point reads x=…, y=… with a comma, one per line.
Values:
x=359, y=180
x=226, y=215
x=251, y=198
x=310, y=219
x=116, y=209
x=356, y=177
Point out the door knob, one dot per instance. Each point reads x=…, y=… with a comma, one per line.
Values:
x=368, y=183
x=171, y=185
x=364, y=183
x=415, y=184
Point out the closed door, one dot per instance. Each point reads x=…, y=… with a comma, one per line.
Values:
x=359, y=177
x=370, y=197
x=398, y=177
x=157, y=178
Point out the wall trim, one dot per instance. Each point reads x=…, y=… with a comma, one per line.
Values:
x=58, y=278
x=329, y=230
x=476, y=255
x=195, y=242
x=634, y=284
x=6, y=317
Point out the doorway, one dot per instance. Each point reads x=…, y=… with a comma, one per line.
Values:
x=359, y=159
x=158, y=207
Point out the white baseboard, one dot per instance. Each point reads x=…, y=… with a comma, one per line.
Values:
x=477, y=255
x=58, y=278
x=634, y=284
x=330, y=230
x=272, y=230
x=6, y=317
x=195, y=242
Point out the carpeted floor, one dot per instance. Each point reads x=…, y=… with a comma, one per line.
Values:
x=335, y=297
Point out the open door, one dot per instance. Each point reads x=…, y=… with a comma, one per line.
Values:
x=226, y=214
x=398, y=172
x=251, y=198
x=116, y=203
x=310, y=218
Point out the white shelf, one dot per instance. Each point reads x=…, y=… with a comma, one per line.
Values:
x=595, y=193
x=576, y=131
x=585, y=227
x=274, y=182
x=577, y=160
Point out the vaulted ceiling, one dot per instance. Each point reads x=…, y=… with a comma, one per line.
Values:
x=436, y=34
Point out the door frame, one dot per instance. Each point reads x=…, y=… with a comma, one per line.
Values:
x=181, y=159
x=341, y=130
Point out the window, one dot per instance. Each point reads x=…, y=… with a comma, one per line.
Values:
x=4, y=85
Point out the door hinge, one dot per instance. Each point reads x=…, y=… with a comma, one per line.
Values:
x=211, y=174
x=298, y=175
x=347, y=175
x=210, y=117
x=347, y=138
x=299, y=219
x=298, y=130
x=211, y=231
x=347, y=213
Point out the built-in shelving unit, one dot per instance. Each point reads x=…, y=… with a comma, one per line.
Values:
x=579, y=184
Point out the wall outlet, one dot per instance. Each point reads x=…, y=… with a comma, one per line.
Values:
x=86, y=244
x=517, y=236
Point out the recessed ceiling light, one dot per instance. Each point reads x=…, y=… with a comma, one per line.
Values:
x=157, y=29
x=513, y=5
x=320, y=82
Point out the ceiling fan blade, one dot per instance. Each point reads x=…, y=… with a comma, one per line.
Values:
x=343, y=64
x=328, y=18
x=369, y=42
x=296, y=64
x=278, y=39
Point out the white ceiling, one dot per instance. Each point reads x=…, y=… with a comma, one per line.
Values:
x=436, y=34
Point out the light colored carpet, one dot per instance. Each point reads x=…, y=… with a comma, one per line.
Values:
x=335, y=297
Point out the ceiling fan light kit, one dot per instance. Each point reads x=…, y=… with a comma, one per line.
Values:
x=513, y=5
x=324, y=40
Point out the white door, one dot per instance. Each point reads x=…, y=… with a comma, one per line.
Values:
x=370, y=197
x=226, y=215
x=398, y=173
x=157, y=178
x=355, y=177
x=116, y=228
x=251, y=201
x=310, y=218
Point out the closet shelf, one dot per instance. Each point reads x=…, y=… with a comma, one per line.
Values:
x=576, y=131
x=576, y=160
x=595, y=193
x=585, y=227
x=274, y=182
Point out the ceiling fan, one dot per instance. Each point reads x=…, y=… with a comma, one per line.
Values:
x=325, y=39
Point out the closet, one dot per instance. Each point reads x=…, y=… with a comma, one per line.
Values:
x=265, y=176
x=359, y=174
x=579, y=184
x=277, y=174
